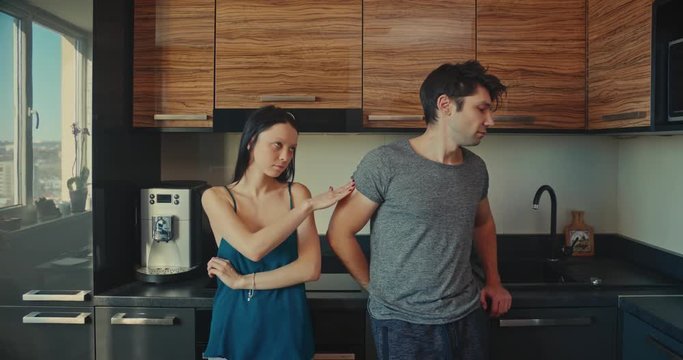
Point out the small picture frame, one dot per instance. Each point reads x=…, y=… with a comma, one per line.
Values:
x=581, y=242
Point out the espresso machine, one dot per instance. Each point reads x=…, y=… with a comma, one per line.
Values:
x=174, y=233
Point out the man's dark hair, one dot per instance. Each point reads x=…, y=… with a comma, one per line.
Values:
x=457, y=81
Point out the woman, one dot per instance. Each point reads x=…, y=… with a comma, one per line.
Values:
x=268, y=246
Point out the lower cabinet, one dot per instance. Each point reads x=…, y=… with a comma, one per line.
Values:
x=339, y=332
x=145, y=333
x=30, y=332
x=642, y=341
x=555, y=333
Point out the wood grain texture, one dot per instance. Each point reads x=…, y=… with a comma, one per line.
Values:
x=403, y=41
x=619, y=33
x=537, y=48
x=173, y=55
x=298, y=47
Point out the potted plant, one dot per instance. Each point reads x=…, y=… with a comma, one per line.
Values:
x=78, y=191
x=77, y=184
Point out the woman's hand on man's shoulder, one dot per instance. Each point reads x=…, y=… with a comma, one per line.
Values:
x=331, y=196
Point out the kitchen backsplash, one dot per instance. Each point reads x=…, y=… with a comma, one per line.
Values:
x=581, y=169
x=650, y=195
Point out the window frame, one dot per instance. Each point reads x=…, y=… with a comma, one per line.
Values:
x=27, y=15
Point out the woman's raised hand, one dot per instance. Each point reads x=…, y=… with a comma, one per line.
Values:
x=331, y=196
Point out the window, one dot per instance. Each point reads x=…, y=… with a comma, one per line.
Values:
x=9, y=194
x=44, y=96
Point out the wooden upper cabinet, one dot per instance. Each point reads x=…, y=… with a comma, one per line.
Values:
x=296, y=54
x=173, y=63
x=537, y=48
x=403, y=41
x=619, y=45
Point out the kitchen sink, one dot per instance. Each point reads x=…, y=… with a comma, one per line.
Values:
x=532, y=271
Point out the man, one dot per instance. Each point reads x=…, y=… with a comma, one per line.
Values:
x=427, y=198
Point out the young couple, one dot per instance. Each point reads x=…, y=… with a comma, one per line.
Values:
x=427, y=198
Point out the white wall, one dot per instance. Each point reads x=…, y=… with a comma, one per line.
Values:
x=650, y=190
x=581, y=169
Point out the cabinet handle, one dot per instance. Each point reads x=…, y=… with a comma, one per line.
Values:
x=344, y=356
x=281, y=97
x=120, y=319
x=395, y=117
x=192, y=117
x=625, y=116
x=515, y=118
x=580, y=321
x=55, y=295
x=36, y=318
x=663, y=348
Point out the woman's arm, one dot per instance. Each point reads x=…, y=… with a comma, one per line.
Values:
x=305, y=268
x=225, y=224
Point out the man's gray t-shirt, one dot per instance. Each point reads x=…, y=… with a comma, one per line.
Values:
x=421, y=234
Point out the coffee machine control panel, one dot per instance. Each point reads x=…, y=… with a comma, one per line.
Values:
x=157, y=201
x=164, y=199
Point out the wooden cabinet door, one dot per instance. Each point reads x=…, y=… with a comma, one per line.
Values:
x=537, y=48
x=173, y=63
x=403, y=41
x=619, y=63
x=297, y=54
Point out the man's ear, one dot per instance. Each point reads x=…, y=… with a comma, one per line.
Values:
x=443, y=104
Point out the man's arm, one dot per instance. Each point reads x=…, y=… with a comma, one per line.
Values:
x=485, y=243
x=350, y=215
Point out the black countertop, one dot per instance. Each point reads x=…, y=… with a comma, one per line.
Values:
x=665, y=313
x=199, y=293
x=618, y=277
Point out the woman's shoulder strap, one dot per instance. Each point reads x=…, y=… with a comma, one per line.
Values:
x=234, y=202
x=291, y=202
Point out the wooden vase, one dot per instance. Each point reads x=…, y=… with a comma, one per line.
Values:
x=579, y=236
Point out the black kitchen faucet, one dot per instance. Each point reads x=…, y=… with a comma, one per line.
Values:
x=553, y=217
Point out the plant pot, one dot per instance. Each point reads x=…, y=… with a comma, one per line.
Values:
x=78, y=198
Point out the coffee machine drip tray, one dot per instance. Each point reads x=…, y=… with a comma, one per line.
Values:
x=164, y=274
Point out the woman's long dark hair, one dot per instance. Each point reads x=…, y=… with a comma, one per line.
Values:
x=259, y=121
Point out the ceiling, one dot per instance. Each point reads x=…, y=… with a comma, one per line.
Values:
x=76, y=12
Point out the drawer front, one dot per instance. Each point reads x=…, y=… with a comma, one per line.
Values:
x=29, y=332
x=555, y=333
x=53, y=257
x=145, y=333
x=642, y=341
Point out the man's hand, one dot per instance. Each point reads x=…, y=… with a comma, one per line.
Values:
x=500, y=299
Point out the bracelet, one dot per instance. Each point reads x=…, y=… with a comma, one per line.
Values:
x=250, y=294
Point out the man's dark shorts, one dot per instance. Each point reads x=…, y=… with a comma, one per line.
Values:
x=465, y=339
